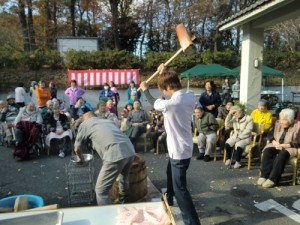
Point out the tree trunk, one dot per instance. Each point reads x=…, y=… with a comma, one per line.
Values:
x=72, y=16
x=48, y=23
x=31, y=26
x=168, y=33
x=54, y=12
x=115, y=26
x=149, y=7
x=22, y=18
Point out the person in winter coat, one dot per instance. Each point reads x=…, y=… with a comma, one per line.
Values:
x=284, y=140
x=210, y=99
x=207, y=127
x=60, y=134
x=242, y=126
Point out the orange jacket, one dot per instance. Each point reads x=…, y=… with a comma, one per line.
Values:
x=42, y=96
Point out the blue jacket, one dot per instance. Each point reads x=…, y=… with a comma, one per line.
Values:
x=105, y=94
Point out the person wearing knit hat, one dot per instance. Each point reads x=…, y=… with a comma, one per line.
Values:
x=11, y=103
x=262, y=115
x=10, y=97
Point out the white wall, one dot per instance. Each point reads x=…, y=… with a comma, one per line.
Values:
x=65, y=44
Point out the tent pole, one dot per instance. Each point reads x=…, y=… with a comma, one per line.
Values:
x=282, y=84
x=188, y=85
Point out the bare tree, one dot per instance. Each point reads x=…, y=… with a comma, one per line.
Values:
x=285, y=35
x=72, y=16
x=31, y=26
x=115, y=16
x=23, y=21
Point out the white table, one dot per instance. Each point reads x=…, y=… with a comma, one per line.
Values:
x=94, y=215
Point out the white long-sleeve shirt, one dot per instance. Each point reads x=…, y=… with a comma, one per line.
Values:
x=177, y=113
x=20, y=94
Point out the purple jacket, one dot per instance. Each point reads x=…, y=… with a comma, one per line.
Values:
x=73, y=94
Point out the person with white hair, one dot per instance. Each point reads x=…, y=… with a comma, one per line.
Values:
x=242, y=126
x=29, y=113
x=284, y=139
x=9, y=114
x=27, y=131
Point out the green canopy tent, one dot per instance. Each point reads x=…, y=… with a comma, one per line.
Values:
x=267, y=71
x=212, y=70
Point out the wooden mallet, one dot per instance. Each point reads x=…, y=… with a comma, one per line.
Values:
x=186, y=44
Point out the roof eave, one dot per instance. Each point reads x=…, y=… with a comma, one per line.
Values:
x=254, y=14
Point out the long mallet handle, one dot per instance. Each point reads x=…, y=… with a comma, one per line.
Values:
x=166, y=63
x=186, y=46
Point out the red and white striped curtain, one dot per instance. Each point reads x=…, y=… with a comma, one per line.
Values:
x=99, y=77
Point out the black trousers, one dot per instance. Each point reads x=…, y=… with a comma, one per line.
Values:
x=238, y=152
x=223, y=138
x=177, y=186
x=273, y=163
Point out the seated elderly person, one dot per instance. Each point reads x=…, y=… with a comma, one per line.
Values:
x=11, y=101
x=111, y=108
x=46, y=112
x=262, y=115
x=222, y=114
x=3, y=127
x=207, y=126
x=136, y=121
x=104, y=114
x=62, y=106
x=284, y=139
x=158, y=131
x=77, y=112
x=12, y=110
x=60, y=134
x=79, y=108
x=128, y=107
x=133, y=98
x=27, y=129
x=242, y=126
x=9, y=112
x=124, y=114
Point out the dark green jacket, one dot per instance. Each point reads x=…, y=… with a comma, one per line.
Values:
x=207, y=124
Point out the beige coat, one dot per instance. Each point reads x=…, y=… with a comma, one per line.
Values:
x=242, y=130
x=292, y=137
